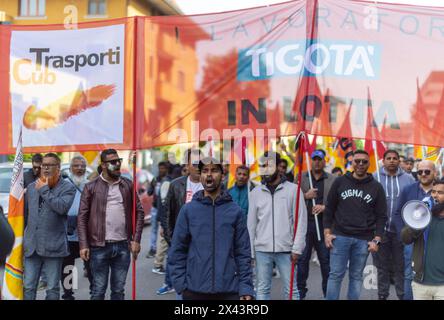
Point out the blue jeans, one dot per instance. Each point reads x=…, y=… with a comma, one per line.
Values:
x=264, y=274
x=154, y=229
x=311, y=240
x=346, y=250
x=115, y=256
x=408, y=272
x=34, y=267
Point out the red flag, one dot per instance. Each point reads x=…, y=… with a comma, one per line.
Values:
x=373, y=138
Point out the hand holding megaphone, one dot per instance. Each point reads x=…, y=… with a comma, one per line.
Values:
x=416, y=214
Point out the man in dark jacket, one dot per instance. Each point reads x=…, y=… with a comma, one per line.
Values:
x=391, y=251
x=105, y=227
x=322, y=182
x=6, y=238
x=31, y=175
x=153, y=190
x=210, y=253
x=180, y=191
x=354, y=221
x=416, y=191
x=428, y=260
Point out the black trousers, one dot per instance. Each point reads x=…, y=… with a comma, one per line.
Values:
x=190, y=295
x=390, y=256
x=311, y=241
x=74, y=253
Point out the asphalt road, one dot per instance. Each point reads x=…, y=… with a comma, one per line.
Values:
x=148, y=282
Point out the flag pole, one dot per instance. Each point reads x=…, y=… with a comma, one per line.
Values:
x=377, y=160
x=134, y=155
x=318, y=233
x=301, y=138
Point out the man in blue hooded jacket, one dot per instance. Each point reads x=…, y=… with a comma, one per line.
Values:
x=391, y=250
x=210, y=254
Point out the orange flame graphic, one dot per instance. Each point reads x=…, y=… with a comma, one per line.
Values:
x=66, y=107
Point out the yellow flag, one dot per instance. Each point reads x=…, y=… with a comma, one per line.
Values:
x=13, y=275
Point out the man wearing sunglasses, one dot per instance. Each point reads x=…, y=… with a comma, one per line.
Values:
x=354, y=220
x=416, y=191
x=107, y=236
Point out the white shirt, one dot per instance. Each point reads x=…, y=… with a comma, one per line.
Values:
x=192, y=188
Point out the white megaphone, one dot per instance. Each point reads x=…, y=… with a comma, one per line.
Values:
x=416, y=214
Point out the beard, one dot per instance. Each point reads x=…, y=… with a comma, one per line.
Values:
x=53, y=180
x=267, y=179
x=79, y=181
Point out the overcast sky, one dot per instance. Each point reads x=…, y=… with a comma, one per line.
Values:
x=208, y=6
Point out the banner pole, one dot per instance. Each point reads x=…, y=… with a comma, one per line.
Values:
x=318, y=233
x=134, y=155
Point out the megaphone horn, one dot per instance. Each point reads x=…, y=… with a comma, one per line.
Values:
x=416, y=214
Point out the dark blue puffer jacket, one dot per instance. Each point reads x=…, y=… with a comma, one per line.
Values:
x=210, y=252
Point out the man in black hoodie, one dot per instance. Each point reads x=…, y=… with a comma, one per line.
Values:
x=354, y=221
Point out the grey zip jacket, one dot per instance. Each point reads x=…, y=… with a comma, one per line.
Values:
x=393, y=185
x=271, y=219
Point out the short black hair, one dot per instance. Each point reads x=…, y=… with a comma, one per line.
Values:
x=391, y=151
x=360, y=151
x=336, y=169
x=242, y=167
x=163, y=164
x=38, y=158
x=438, y=181
x=105, y=153
x=284, y=161
x=52, y=155
x=208, y=160
x=401, y=157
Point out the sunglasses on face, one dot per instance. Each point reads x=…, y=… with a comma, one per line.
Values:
x=426, y=172
x=361, y=161
x=114, y=161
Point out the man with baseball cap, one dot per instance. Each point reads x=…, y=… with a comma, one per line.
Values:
x=321, y=183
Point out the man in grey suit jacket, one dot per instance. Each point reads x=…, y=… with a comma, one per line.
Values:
x=322, y=182
x=45, y=241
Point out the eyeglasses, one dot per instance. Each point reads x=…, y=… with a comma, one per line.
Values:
x=114, y=161
x=426, y=172
x=361, y=161
x=49, y=165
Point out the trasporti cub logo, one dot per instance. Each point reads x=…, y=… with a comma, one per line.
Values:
x=42, y=70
